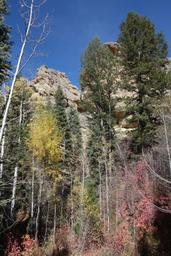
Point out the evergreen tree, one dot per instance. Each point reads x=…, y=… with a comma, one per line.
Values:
x=76, y=140
x=66, y=163
x=5, y=44
x=95, y=153
x=60, y=106
x=16, y=159
x=99, y=83
x=99, y=74
x=144, y=56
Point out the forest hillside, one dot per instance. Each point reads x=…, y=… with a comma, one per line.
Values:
x=87, y=171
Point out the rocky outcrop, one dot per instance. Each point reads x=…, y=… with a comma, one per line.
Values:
x=46, y=83
x=48, y=80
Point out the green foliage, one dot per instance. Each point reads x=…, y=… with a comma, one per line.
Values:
x=76, y=141
x=91, y=201
x=15, y=148
x=92, y=213
x=94, y=152
x=99, y=74
x=60, y=106
x=143, y=54
x=5, y=44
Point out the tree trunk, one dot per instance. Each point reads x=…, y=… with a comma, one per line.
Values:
x=38, y=207
x=2, y=155
x=167, y=143
x=32, y=190
x=47, y=218
x=4, y=119
x=14, y=189
x=54, y=224
x=100, y=191
x=16, y=168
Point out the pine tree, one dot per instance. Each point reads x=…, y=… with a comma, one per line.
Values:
x=15, y=160
x=95, y=154
x=144, y=57
x=99, y=74
x=5, y=44
x=76, y=140
x=66, y=163
x=60, y=107
x=99, y=84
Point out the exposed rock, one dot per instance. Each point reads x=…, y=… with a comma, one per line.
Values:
x=47, y=82
x=114, y=46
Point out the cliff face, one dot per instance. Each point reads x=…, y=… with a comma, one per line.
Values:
x=47, y=82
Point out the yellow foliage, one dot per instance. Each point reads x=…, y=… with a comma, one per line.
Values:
x=22, y=88
x=45, y=140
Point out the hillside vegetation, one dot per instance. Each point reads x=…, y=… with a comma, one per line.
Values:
x=88, y=173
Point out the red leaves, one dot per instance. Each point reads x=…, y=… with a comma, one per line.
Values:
x=22, y=248
x=136, y=210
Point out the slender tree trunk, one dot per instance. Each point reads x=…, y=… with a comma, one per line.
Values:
x=38, y=207
x=47, y=218
x=107, y=199
x=167, y=142
x=116, y=208
x=4, y=119
x=107, y=188
x=2, y=155
x=72, y=202
x=14, y=189
x=104, y=150
x=82, y=193
x=54, y=224
x=100, y=191
x=16, y=168
x=32, y=189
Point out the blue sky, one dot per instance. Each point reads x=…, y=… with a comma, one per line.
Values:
x=75, y=22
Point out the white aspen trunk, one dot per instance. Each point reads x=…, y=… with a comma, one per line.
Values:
x=72, y=203
x=16, y=168
x=167, y=143
x=107, y=199
x=82, y=191
x=83, y=175
x=47, y=218
x=107, y=189
x=4, y=119
x=38, y=207
x=100, y=191
x=134, y=237
x=32, y=190
x=2, y=155
x=14, y=189
x=104, y=150
x=2, y=147
x=116, y=210
x=54, y=224
x=104, y=209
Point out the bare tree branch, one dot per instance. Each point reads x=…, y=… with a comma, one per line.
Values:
x=31, y=8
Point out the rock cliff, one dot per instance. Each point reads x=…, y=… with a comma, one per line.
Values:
x=47, y=81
